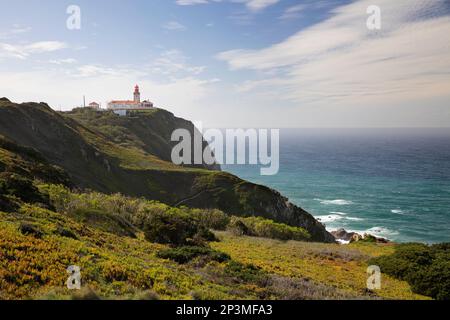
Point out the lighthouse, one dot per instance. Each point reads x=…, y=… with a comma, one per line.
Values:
x=122, y=107
x=137, y=94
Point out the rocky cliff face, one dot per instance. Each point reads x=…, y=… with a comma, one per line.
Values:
x=101, y=151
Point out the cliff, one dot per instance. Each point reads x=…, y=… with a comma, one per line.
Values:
x=110, y=154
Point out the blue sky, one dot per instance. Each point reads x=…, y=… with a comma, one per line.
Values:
x=236, y=63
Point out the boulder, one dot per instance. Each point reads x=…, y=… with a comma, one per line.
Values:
x=343, y=235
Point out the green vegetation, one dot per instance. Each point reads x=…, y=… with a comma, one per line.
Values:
x=425, y=268
x=323, y=271
x=172, y=227
x=265, y=228
x=12, y=184
x=131, y=248
x=245, y=272
x=122, y=215
x=153, y=230
x=186, y=254
x=101, y=151
x=211, y=218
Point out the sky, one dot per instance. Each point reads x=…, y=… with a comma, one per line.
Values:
x=236, y=63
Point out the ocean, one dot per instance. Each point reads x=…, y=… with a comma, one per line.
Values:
x=392, y=183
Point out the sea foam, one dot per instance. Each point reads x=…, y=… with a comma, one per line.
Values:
x=335, y=216
x=382, y=232
x=329, y=218
x=337, y=202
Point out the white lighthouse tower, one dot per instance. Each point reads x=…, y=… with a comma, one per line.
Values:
x=137, y=94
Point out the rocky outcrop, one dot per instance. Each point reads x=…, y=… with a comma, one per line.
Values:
x=342, y=235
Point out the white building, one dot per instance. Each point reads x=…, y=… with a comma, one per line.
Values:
x=121, y=107
x=94, y=105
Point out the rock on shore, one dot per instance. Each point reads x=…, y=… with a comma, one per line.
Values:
x=343, y=236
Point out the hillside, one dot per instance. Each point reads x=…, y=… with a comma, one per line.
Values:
x=94, y=190
x=103, y=152
x=137, y=249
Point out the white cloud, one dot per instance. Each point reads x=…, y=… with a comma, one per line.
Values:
x=24, y=51
x=15, y=30
x=173, y=63
x=293, y=12
x=339, y=61
x=63, y=61
x=95, y=70
x=174, y=26
x=191, y=2
x=257, y=5
x=45, y=46
x=307, y=7
x=252, y=5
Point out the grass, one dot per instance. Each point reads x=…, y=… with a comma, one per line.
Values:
x=342, y=267
x=114, y=240
x=117, y=267
x=112, y=266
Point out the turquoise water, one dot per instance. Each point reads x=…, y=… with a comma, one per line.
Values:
x=393, y=183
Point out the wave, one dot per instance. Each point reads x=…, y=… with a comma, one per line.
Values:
x=354, y=219
x=338, y=202
x=335, y=216
x=329, y=218
x=339, y=213
x=397, y=211
x=380, y=232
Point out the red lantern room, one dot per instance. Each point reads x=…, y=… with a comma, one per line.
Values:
x=137, y=94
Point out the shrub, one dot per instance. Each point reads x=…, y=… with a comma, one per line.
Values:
x=171, y=227
x=238, y=227
x=114, y=272
x=66, y=233
x=105, y=221
x=16, y=185
x=425, y=268
x=29, y=229
x=211, y=218
x=119, y=214
x=185, y=254
x=260, y=227
x=202, y=236
x=245, y=272
x=7, y=204
x=64, y=200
